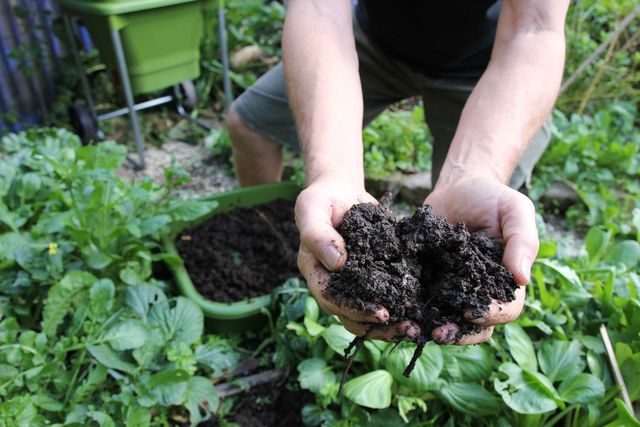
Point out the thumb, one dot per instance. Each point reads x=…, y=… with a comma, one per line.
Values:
x=518, y=221
x=314, y=214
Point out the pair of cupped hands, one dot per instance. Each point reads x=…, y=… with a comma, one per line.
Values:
x=483, y=202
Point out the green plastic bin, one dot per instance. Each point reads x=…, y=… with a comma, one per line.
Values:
x=160, y=38
x=242, y=315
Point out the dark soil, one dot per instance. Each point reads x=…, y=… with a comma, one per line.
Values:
x=419, y=267
x=269, y=405
x=244, y=253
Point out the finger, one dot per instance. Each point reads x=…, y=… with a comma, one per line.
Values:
x=500, y=312
x=518, y=222
x=448, y=333
x=317, y=233
x=405, y=330
x=318, y=277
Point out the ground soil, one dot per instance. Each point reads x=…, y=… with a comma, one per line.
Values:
x=244, y=253
x=419, y=267
x=268, y=405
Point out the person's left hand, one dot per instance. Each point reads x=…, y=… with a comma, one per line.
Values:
x=484, y=203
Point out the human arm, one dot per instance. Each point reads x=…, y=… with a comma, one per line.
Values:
x=323, y=85
x=503, y=113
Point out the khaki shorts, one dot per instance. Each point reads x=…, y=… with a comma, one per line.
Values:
x=264, y=107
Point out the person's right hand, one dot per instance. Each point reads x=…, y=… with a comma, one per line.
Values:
x=319, y=210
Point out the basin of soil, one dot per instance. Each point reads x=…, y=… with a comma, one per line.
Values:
x=242, y=253
x=419, y=267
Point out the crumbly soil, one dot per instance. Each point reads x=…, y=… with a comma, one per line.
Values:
x=268, y=405
x=244, y=253
x=419, y=267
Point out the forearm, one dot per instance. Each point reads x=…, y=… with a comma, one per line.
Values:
x=323, y=85
x=507, y=107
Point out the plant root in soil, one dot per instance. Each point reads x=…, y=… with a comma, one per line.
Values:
x=420, y=268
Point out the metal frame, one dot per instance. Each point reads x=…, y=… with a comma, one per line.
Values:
x=132, y=108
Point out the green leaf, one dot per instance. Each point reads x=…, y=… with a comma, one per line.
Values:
x=127, y=335
x=520, y=347
x=469, y=398
x=103, y=419
x=200, y=391
x=583, y=389
x=561, y=359
x=137, y=416
x=626, y=417
x=97, y=377
x=140, y=298
x=101, y=297
x=338, y=338
x=109, y=358
x=468, y=363
x=630, y=370
x=168, y=377
x=97, y=260
x=154, y=224
x=427, y=369
x=182, y=323
x=311, y=309
x=372, y=390
x=314, y=375
x=626, y=253
x=61, y=298
x=596, y=243
x=47, y=403
x=407, y=404
x=523, y=393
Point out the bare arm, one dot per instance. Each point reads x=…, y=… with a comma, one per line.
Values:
x=321, y=67
x=515, y=94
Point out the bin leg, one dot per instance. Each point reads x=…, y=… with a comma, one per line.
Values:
x=84, y=81
x=222, y=28
x=128, y=94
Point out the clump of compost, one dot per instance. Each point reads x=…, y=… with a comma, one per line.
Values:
x=420, y=268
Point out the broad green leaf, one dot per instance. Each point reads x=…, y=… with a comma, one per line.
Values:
x=96, y=378
x=103, y=419
x=564, y=271
x=596, y=243
x=182, y=323
x=138, y=416
x=167, y=377
x=631, y=373
x=427, y=369
x=315, y=375
x=127, y=335
x=61, y=297
x=101, y=297
x=338, y=338
x=190, y=210
x=140, y=298
x=155, y=224
x=523, y=393
x=313, y=328
x=469, y=398
x=311, y=309
x=47, y=403
x=626, y=417
x=520, y=347
x=583, y=389
x=218, y=355
x=468, y=363
x=372, y=390
x=561, y=359
x=407, y=404
x=97, y=260
x=626, y=253
x=109, y=358
x=200, y=391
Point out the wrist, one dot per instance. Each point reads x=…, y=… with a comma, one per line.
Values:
x=455, y=171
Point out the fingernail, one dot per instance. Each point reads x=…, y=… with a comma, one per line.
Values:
x=330, y=257
x=525, y=268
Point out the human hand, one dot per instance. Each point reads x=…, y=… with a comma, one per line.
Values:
x=319, y=210
x=484, y=203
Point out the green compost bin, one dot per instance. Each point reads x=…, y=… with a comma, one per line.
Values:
x=242, y=315
x=160, y=38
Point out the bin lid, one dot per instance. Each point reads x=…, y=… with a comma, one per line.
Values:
x=117, y=7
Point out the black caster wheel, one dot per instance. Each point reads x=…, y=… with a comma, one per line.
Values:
x=186, y=95
x=82, y=123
